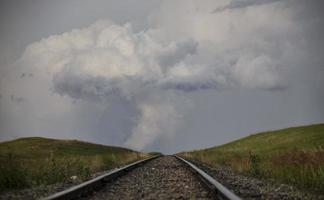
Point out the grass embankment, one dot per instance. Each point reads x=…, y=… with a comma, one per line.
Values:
x=293, y=156
x=29, y=162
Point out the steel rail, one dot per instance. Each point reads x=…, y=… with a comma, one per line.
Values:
x=94, y=184
x=221, y=191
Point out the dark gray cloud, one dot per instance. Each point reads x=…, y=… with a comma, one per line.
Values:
x=192, y=87
x=84, y=87
x=24, y=75
x=237, y=4
x=16, y=99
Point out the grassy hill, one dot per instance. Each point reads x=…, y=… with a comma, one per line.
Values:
x=33, y=161
x=40, y=148
x=293, y=155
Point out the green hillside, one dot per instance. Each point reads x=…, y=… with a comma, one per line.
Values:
x=40, y=148
x=293, y=155
x=29, y=162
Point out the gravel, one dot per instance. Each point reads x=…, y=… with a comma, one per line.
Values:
x=252, y=188
x=161, y=178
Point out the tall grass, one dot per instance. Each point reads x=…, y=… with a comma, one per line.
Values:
x=302, y=168
x=299, y=167
x=293, y=155
x=17, y=173
x=13, y=174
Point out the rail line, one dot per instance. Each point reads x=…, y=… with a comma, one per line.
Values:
x=96, y=183
x=85, y=189
x=220, y=191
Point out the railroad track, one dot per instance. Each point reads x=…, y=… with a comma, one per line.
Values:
x=159, y=177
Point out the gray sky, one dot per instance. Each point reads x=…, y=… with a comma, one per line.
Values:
x=159, y=75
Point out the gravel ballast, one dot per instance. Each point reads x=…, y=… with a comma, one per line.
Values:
x=162, y=178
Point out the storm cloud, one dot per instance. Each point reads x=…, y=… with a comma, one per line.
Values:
x=106, y=59
x=185, y=49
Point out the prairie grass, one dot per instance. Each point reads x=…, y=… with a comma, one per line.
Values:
x=32, y=162
x=294, y=156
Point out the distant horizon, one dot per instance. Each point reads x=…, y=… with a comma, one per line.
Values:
x=206, y=147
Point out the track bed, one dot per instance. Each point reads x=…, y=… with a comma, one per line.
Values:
x=162, y=178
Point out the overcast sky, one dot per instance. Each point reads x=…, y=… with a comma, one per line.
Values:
x=159, y=75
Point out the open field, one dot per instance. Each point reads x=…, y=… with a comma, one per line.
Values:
x=294, y=156
x=29, y=162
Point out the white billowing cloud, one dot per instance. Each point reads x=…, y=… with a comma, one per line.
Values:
x=187, y=48
x=106, y=58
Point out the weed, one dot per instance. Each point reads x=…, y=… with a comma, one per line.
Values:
x=254, y=161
